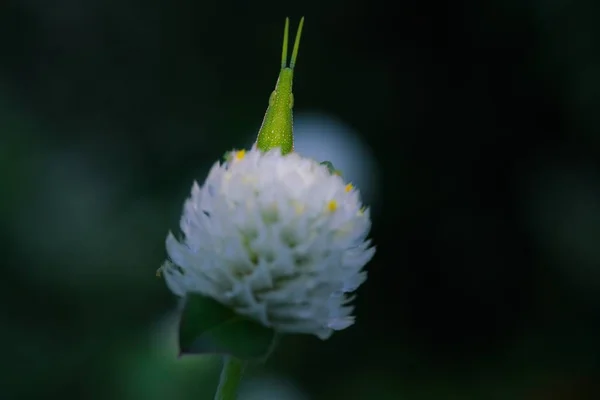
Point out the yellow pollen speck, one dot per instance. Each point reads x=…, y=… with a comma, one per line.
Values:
x=337, y=172
x=158, y=272
x=349, y=187
x=240, y=154
x=332, y=206
x=361, y=212
x=299, y=208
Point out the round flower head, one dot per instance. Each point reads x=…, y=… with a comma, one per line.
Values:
x=278, y=239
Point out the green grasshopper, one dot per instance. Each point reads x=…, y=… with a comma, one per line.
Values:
x=276, y=129
x=277, y=126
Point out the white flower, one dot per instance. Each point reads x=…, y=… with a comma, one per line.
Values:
x=276, y=238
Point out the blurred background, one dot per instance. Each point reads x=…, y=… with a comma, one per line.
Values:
x=471, y=128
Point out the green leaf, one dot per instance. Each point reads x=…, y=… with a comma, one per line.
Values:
x=208, y=327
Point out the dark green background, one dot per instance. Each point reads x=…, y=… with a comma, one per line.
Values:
x=482, y=118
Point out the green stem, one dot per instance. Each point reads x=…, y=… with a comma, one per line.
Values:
x=231, y=376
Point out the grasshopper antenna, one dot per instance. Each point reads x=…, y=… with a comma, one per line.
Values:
x=296, y=42
x=285, y=43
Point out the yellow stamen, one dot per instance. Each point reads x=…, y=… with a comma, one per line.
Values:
x=349, y=187
x=332, y=206
x=240, y=154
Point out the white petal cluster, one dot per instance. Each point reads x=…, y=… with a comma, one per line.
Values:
x=276, y=238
